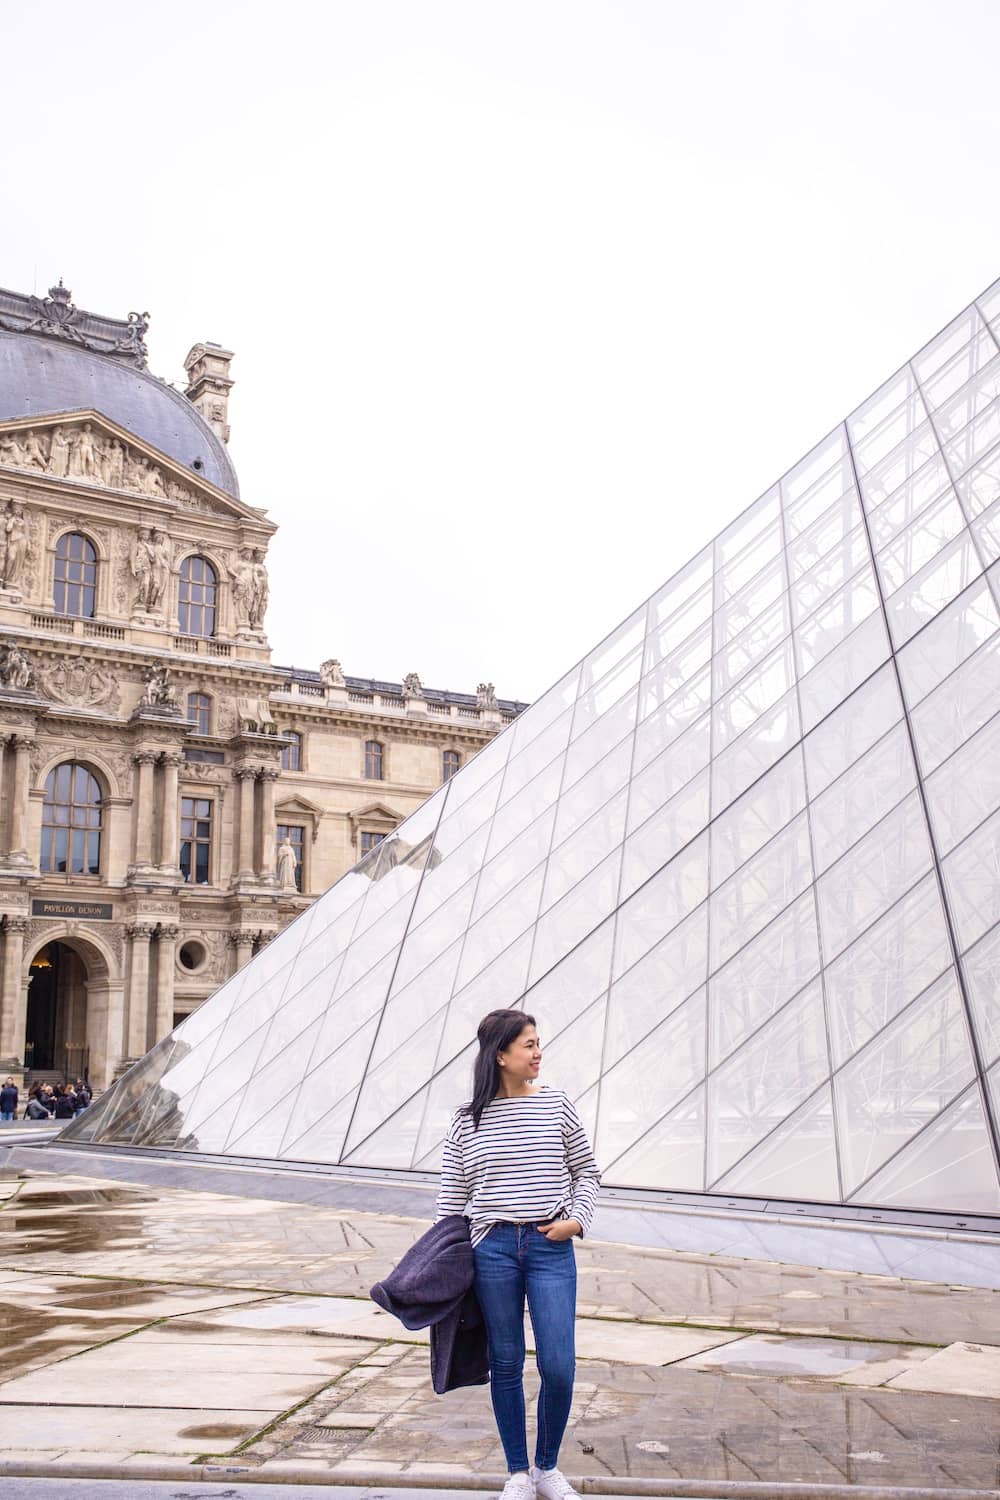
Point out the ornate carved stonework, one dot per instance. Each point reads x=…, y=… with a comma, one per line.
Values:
x=123, y=582
x=55, y=316
x=331, y=674
x=75, y=680
x=15, y=670
x=81, y=451
x=120, y=761
x=15, y=545
x=225, y=717
x=250, y=589
x=116, y=941
x=205, y=773
x=216, y=959
x=159, y=691
x=149, y=564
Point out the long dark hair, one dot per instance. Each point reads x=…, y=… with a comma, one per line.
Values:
x=496, y=1033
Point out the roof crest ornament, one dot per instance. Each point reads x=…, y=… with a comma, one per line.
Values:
x=56, y=316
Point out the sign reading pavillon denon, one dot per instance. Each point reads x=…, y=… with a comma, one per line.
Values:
x=91, y=911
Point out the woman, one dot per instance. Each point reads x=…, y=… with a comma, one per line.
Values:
x=518, y=1164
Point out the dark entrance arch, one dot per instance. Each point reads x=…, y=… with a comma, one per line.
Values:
x=56, y=1024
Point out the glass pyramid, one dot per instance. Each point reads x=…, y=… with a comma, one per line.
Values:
x=742, y=862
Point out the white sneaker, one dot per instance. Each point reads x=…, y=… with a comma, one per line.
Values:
x=551, y=1485
x=519, y=1487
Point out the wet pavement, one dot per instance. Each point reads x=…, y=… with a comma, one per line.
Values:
x=177, y=1326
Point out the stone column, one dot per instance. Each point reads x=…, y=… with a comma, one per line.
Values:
x=19, y=798
x=242, y=944
x=13, y=1003
x=169, y=842
x=145, y=763
x=243, y=865
x=268, y=831
x=138, y=989
x=4, y=767
x=166, y=937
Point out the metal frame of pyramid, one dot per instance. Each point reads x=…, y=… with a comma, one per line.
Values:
x=742, y=863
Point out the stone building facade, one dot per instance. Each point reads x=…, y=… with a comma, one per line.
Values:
x=169, y=798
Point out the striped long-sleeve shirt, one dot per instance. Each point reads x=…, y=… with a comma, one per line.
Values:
x=529, y=1161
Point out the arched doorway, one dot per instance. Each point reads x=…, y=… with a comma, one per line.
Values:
x=56, y=1033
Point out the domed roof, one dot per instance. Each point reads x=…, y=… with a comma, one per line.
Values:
x=46, y=369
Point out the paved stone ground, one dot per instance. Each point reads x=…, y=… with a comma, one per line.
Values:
x=178, y=1325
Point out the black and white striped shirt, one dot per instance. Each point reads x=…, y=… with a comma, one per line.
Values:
x=529, y=1161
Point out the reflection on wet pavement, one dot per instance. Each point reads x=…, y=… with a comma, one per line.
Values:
x=185, y=1323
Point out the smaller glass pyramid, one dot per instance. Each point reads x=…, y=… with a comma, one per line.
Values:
x=742, y=863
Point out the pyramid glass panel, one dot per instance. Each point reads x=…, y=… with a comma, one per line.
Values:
x=742, y=863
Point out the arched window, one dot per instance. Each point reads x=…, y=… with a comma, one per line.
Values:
x=291, y=751
x=71, y=821
x=450, y=763
x=76, y=576
x=197, y=597
x=374, y=760
x=200, y=711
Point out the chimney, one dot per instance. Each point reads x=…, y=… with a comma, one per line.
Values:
x=209, y=384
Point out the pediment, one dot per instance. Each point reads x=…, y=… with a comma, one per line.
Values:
x=88, y=448
x=299, y=806
x=376, y=813
x=290, y=808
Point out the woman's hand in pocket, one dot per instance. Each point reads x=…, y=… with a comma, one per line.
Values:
x=561, y=1229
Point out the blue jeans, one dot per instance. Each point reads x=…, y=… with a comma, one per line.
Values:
x=6, y=1114
x=514, y=1260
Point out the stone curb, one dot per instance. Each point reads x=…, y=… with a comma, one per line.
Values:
x=447, y=1481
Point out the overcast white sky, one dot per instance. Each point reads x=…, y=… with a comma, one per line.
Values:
x=528, y=298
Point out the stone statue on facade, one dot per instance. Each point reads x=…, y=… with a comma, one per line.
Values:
x=34, y=455
x=243, y=588
x=486, y=696
x=331, y=675
x=83, y=462
x=158, y=693
x=141, y=566
x=261, y=590
x=250, y=589
x=59, y=453
x=14, y=539
x=11, y=452
x=133, y=473
x=15, y=670
x=412, y=686
x=288, y=862
x=159, y=553
x=114, y=465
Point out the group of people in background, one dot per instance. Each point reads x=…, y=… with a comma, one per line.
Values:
x=46, y=1101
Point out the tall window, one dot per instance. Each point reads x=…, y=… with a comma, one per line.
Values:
x=291, y=751
x=200, y=711
x=76, y=576
x=374, y=760
x=450, y=763
x=369, y=840
x=295, y=832
x=197, y=597
x=71, y=821
x=196, y=839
